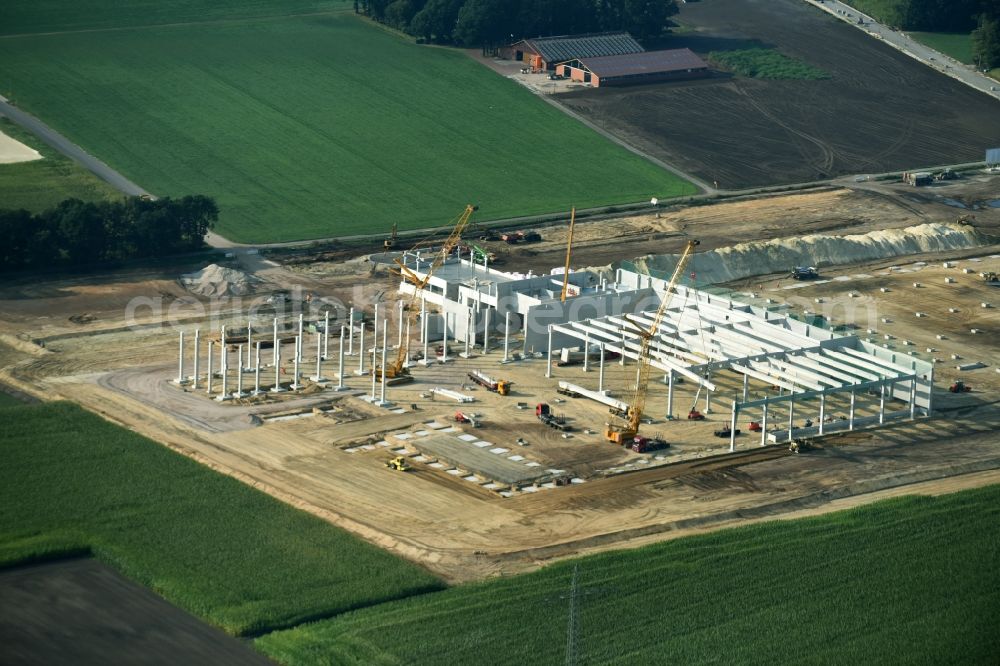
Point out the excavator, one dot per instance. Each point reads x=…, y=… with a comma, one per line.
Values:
x=625, y=433
x=397, y=372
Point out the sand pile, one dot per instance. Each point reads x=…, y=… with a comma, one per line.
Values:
x=214, y=281
x=781, y=255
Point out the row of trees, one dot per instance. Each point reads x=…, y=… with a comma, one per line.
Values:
x=986, y=41
x=490, y=23
x=75, y=233
x=981, y=17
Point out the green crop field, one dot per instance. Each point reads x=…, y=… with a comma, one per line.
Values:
x=71, y=482
x=907, y=581
x=766, y=64
x=41, y=184
x=316, y=126
x=956, y=45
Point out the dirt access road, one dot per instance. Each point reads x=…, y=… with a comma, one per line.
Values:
x=880, y=110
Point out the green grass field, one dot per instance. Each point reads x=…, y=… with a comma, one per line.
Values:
x=71, y=482
x=956, y=45
x=766, y=64
x=907, y=581
x=319, y=126
x=43, y=183
x=19, y=17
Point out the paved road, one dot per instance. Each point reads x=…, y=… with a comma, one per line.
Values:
x=967, y=74
x=70, y=149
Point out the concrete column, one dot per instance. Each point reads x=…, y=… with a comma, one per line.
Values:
x=621, y=360
x=256, y=371
x=670, y=394
x=881, y=404
x=468, y=332
x=274, y=350
x=249, y=346
x=708, y=394
x=374, y=359
x=423, y=320
x=300, y=339
x=382, y=401
x=586, y=351
x=791, y=415
x=318, y=377
x=763, y=424
x=406, y=343
x=732, y=429
x=444, y=344
x=425, y=334
x=375, y=332
x=399, y=332
x=361, y=351
x=180, y=362
x=208, y=390
x=326, y=336
x=850, y=416
x=295, y=376
x=340, y=363
x=277, y=367
x=746, y=387
x=197, y=350
x=930, y=392
x=506, y=338
x=913, y=398
x=548, y=356
x=600, y=372
x=350, y=330
x=239, y=373
x=224, y=364
x=486, y=331
x=822, y=412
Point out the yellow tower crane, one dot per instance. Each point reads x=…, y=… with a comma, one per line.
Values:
x=569, y=251
x=624, y=433
x=398, y=367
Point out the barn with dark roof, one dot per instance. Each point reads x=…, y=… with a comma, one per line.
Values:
x=544, y=53
x=634, y=68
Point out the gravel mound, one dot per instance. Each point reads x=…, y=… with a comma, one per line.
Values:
x=781, y=255
x=215, y=281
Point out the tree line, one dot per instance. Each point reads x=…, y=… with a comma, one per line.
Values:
x=76, y=233
x=491, y=23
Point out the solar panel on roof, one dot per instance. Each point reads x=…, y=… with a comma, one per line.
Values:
x=558, y=49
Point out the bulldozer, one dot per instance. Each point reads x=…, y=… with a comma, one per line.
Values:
x=398, y=463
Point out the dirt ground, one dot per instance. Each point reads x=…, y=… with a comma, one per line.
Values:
x=331, y=463
x=81, y=612
x=880, y=110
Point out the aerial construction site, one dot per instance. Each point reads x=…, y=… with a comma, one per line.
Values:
x=482, y=405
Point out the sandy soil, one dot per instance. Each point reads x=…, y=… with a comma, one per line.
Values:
x=13, y=151
x=463, y=531
x=879, y=110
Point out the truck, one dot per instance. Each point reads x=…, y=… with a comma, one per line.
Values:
x=805, y=273
x=544, y=414
x=918, y=178
x=498, y=386
x=515, y=237
x=641, y=444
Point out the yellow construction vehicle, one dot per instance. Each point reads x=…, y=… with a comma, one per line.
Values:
x=569, y=251
x=397, y=369
x=623, y=434
x=390, y=242
x=398, y=463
